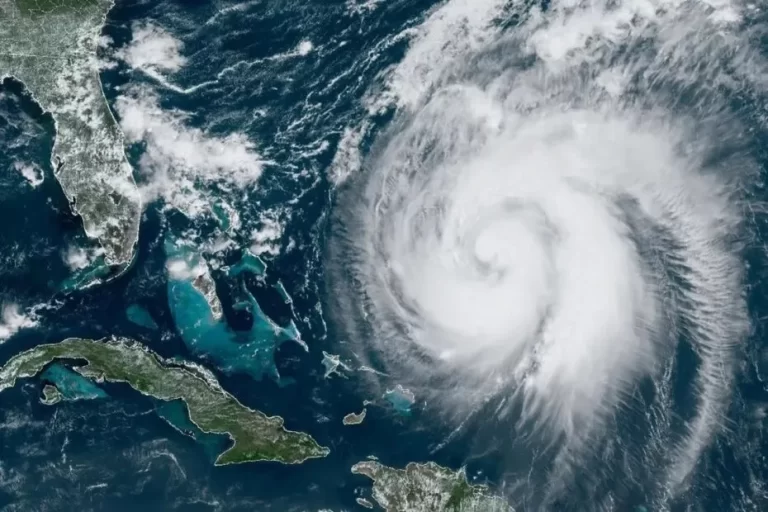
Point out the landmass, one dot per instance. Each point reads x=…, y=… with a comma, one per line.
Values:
x=355, y=419
x=255, y=436
x=186, y=264
x=203, y=328
x=204, y=284
x=175, y=414
x=427, y=488
x=50, y=46
x=70, y=385
x=51, y=395
x=332, y=363
x=248, y=263
x=364, y=503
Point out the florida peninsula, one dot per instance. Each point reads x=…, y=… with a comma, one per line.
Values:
x=50, y=47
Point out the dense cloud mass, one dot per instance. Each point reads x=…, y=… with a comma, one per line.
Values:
x=554, y=211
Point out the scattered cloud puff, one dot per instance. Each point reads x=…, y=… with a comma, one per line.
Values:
x=12, y=320
x=78, y=258
x=179, y=159
x=152, y=50
x=179, y=162
x=32, y=173
x=180, y=269
x=266, y=239
x=304, y=48
x=362, y=6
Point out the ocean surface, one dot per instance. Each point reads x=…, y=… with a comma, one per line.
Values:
x=244, y=123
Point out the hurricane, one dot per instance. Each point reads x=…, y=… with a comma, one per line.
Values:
x=551, y=219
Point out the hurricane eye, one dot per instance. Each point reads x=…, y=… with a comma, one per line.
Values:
x=555, y=245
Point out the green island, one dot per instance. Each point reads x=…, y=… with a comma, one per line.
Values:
x=427, y=488
x=51, y=395
x=255, y=436
x=50, y=46
x=355, y=418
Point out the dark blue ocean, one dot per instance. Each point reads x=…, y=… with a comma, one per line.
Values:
x=113, y=451
x=117, y=453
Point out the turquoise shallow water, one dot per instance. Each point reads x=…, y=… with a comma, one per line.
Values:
x=250, y=351
x=71, y=384
x=175, y=413
x=140, y=316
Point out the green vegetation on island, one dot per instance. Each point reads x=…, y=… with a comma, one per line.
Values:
x=427, y=488
x=354, y=418
x=50, y=46
x=255, y=436
x=51, y=395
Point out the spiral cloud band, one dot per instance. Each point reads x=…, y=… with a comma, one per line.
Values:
x=555, y=209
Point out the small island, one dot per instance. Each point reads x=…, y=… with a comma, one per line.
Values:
x=51, y=395
x=427, y=488
x=255, y=436
x=364, y=503
x=354, y=418
x=332, y=363
x=50, y=46
x=185, y=264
